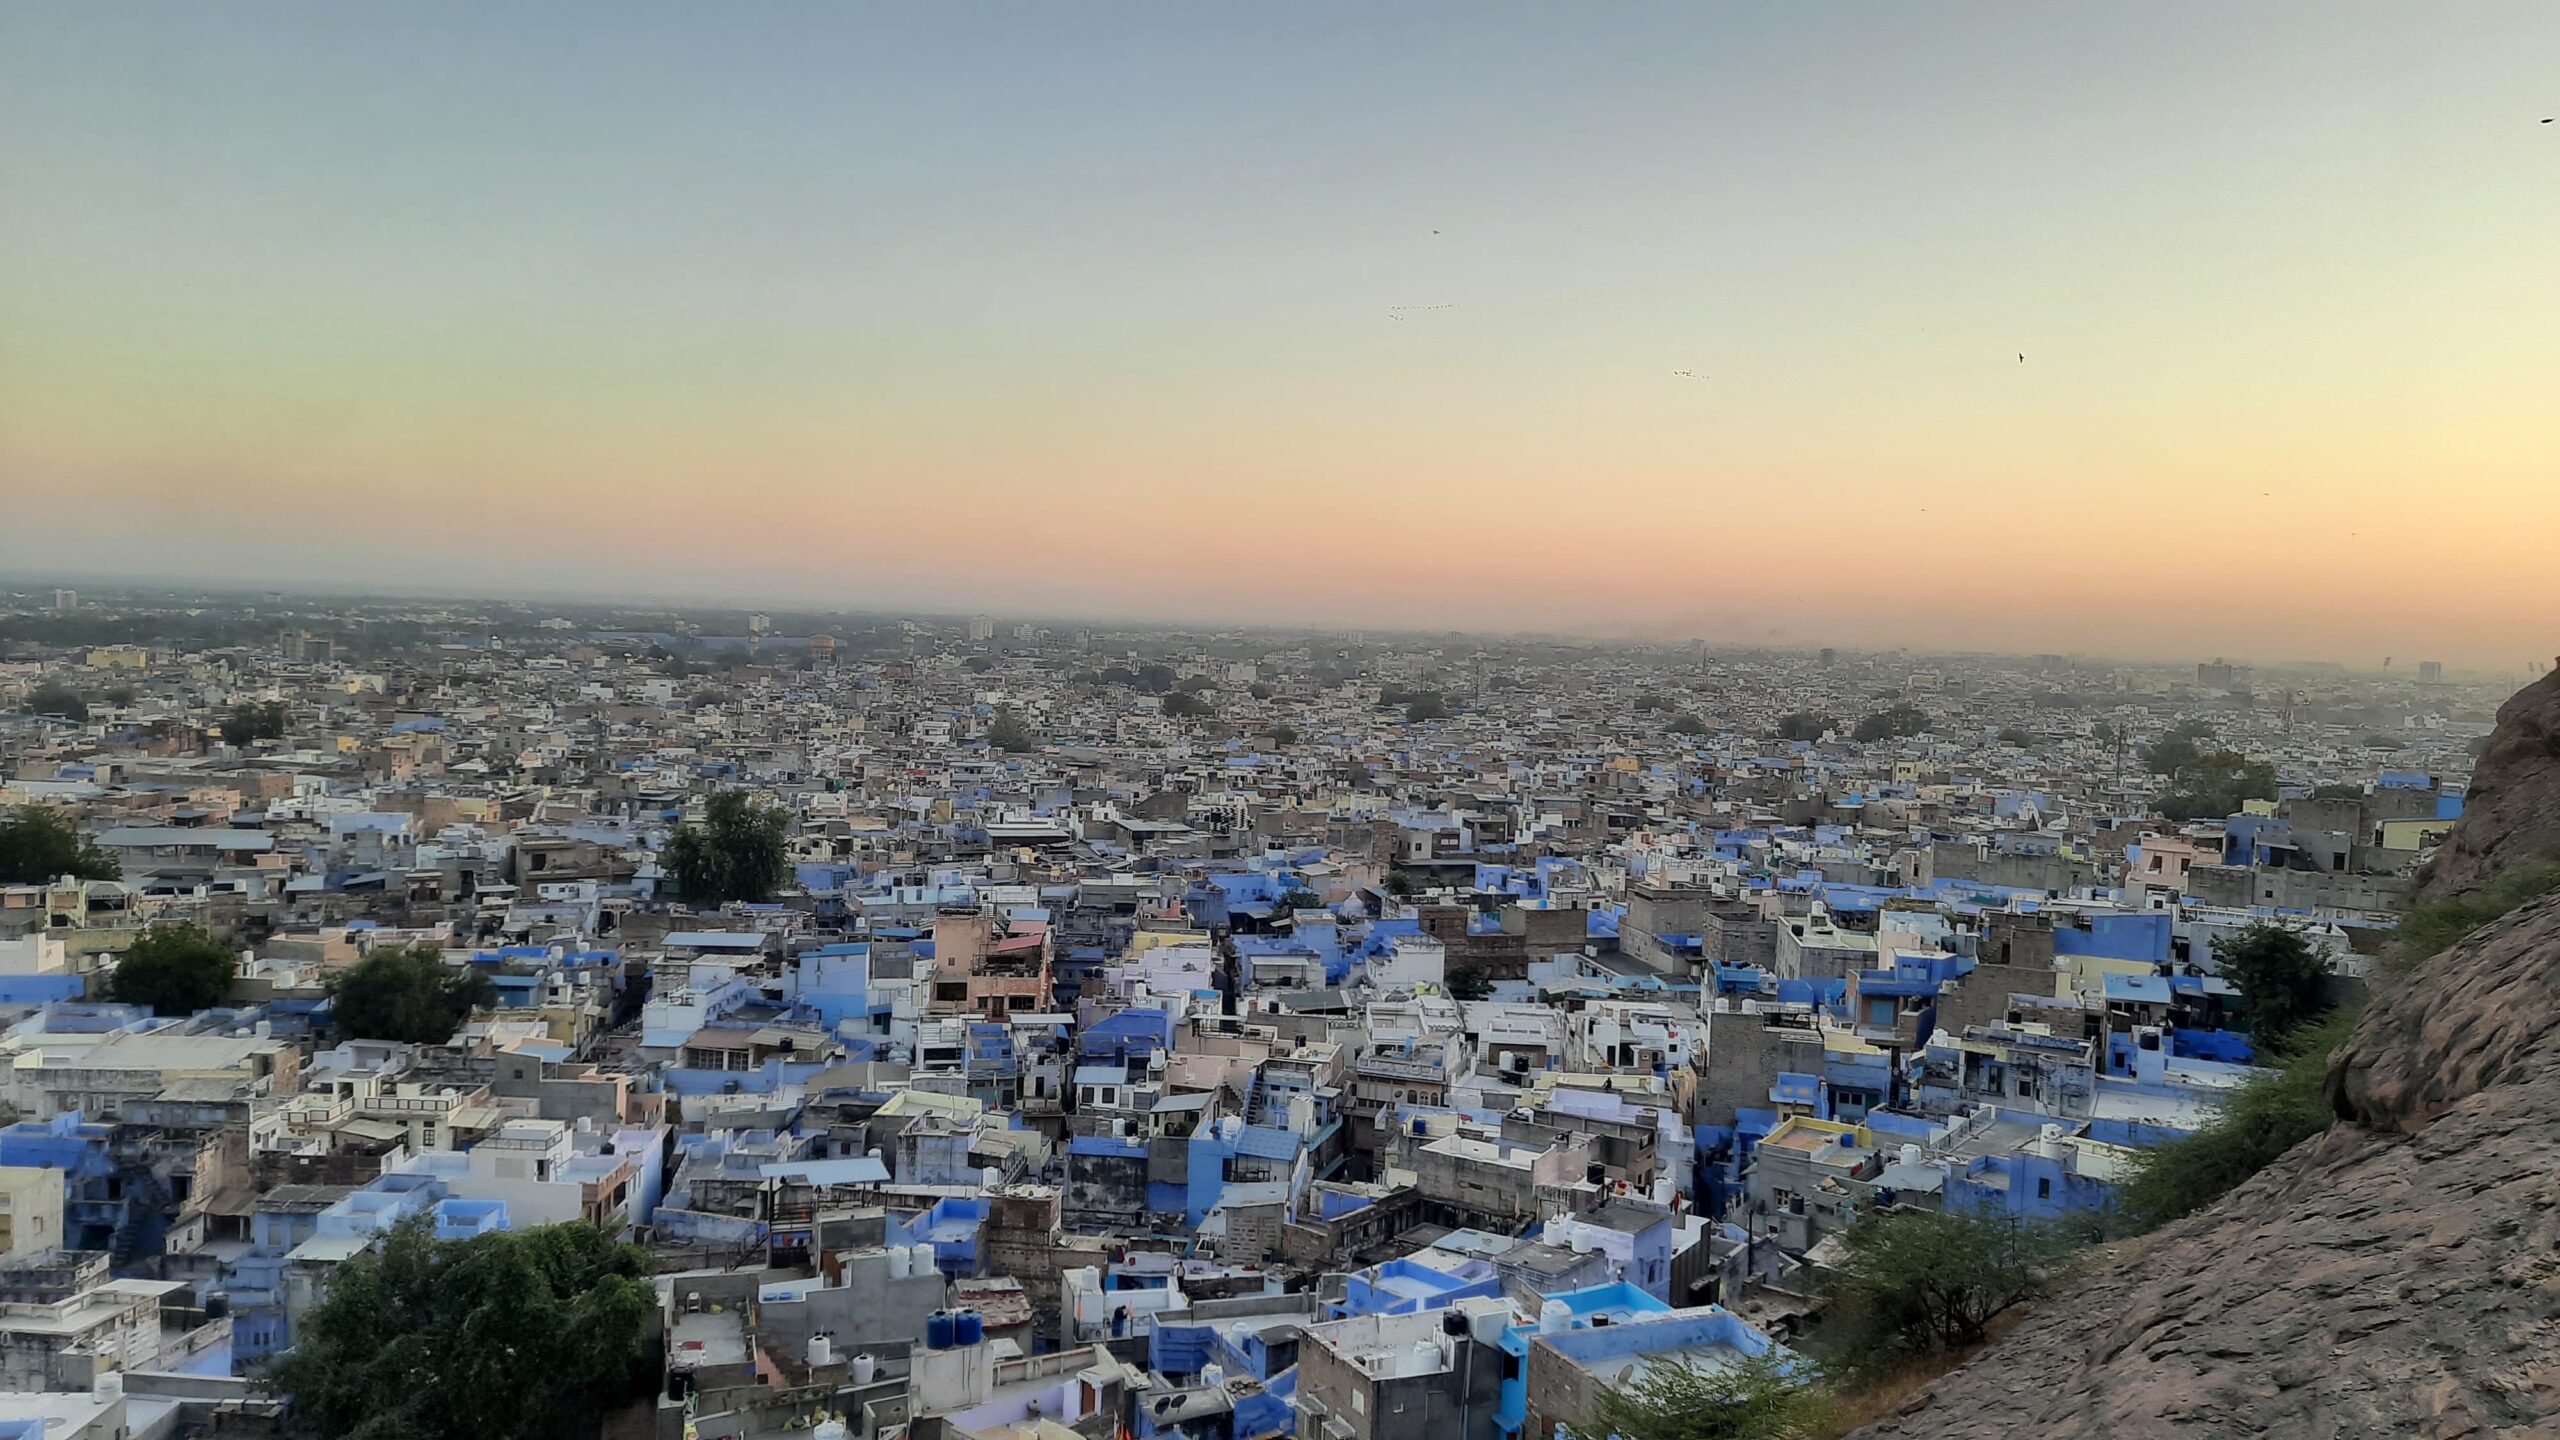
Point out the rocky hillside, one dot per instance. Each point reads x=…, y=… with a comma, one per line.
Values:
x=2399, y=1275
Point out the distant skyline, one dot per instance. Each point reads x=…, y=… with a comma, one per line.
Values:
x=1320, y=314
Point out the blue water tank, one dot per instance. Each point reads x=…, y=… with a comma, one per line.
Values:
x=939, y=1329
x=968, y=1328
x=1420, y=1127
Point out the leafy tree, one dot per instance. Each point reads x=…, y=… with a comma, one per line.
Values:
x=2337, y=792
x=1297, y=898
x=249, y=722
x=1755, y=1400
x=38, y=846
x=737, y=853
x=1469, y=982
x=1649, y=702
x=2191, y=729
x=1260, y=691
x=2015, y=736
x=1917, y=1281
x=1119, y=675
x=2280, y=977
x=1183, y=705
x=2171, y=754
x=1891, y=723
x=2216, y=785
x=406, y=993
x=1688, y=725
x=2276, y=1110
x=514, y=1335
x=1398, y=884
x=1282, y=737
x=51, y=699
x=979, y=664
x=174, y=970
x=1008, y=732
x=120, y=696
x=1805, y=725
x=1155, y=678
x=1426, y=706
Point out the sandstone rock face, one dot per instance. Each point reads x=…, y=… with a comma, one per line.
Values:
x=2399, y=1275
x=2511, y=812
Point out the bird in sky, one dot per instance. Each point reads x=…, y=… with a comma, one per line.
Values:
x=1692, y=374
x=1398, y=312
x=2022, y=357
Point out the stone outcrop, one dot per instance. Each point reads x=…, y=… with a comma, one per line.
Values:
x=2399, y=1275
x=2511, y=810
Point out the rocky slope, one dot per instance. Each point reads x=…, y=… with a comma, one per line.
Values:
x=2399, y=1275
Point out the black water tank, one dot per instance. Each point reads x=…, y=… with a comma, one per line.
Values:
x=1596, y=1173
x=1452, y=1323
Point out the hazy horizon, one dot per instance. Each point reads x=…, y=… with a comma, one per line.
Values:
x=1326, y=316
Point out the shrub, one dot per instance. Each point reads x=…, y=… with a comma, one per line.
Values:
x=2264, y=1118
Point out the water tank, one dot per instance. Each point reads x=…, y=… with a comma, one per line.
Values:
x=1426, y=1353
x=830, y=1429
x=990, y=1177
x=968, y=1328
x=864, y=1368
x=873, y=1152
x=217, y=1304
x=586, y=1125
x=1420, y=1126
x=822, y=1351
x=1231, y=1129
x=1212, y=1376
x=1595, y=1173
x=1910, y=1154
x=939, y=1330
x=920, y=1262
x=1453, y=1321
x=108, y=1387
x=1237, y=1336
x=1554, y=1317
x=901, y=1263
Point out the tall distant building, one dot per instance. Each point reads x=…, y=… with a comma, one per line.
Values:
x=981, y=628
x=2430, y=672
x=2222, y=675
x=66, y=599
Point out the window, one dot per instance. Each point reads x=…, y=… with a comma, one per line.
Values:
x=2044, y=1188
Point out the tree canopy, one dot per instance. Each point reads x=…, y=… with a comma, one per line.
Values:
x=1916, y=1281
x=1686, y=724
x=173, y=969
x=515, y=1335
x=2271, y=1113
x=2218, y=784
x=2281, y=978
x=57, y=701
x=406, y=993
x=737, y=853
x=1805, y=725
x=1008, y=732
x=38, y=846
x=247, y=723
x=1755, y=1400
x=1892, y=723
x=1183, y=705
x=1283, y=736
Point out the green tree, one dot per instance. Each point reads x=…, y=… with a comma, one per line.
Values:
x=1008, y=732
x=1426, y=706
x=1891, y=723
x=1155, y=678
x=1805, y=725
x=1687, y=725
x=2281, y=979
x=1183, y=705
x=737, y=853
x=251, y=722
x=1469, y=982
x=120, y=696
x=1917, y=1281
x=1260, y=691
x=2275, y=1110
x=1755, y=1400
x=2429, y=929
x=2015, y=736
x=2337, y=792
x=2218, y=784
x=2171, y=754
x=515, y=1335
x=174, y=970
x=54, y=700
x=1398, y=884
x=406, y=993
x=1282, y=737
x=979, y=664
x=38, y=846
x=1649, y=702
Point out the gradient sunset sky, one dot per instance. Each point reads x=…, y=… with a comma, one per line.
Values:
x=1358, y=314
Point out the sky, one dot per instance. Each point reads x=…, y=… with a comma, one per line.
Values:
x=1339, y=314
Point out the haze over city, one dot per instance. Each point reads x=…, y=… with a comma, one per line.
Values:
x=2160, y=332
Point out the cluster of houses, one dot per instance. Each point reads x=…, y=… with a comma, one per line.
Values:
x=1324, y=1065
